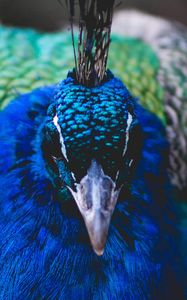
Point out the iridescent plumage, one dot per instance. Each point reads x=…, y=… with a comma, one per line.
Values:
x=74, y=157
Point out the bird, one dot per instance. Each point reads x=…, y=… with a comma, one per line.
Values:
x=89, y=166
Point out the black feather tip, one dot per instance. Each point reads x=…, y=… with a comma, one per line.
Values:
x=91, y=50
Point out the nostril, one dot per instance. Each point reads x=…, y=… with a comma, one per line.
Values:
x=89, y=204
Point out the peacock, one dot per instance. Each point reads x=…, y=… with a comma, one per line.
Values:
x=93, y=159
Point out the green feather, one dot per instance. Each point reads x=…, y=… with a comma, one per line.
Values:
x=29, y=60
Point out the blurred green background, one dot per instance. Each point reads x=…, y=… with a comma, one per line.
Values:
x=49, y=15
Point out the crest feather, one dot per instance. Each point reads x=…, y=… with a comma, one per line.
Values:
x=91, y=51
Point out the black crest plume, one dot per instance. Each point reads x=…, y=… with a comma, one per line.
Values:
x=91, y=50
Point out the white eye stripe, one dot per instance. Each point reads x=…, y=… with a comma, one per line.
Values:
x=73, y=176
x=129, y=122
x=63, y=147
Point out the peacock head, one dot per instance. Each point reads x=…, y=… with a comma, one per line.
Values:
x=87, y=135
x=88, y=148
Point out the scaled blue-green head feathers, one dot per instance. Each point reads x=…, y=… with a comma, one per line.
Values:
x=91, y=123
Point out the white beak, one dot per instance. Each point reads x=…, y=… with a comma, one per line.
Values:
x=96, y=198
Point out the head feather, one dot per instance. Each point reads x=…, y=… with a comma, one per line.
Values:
x=91, y=51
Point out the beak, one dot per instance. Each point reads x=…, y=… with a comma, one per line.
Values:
x=96, y=198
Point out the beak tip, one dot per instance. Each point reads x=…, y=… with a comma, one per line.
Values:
x=99, y=252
